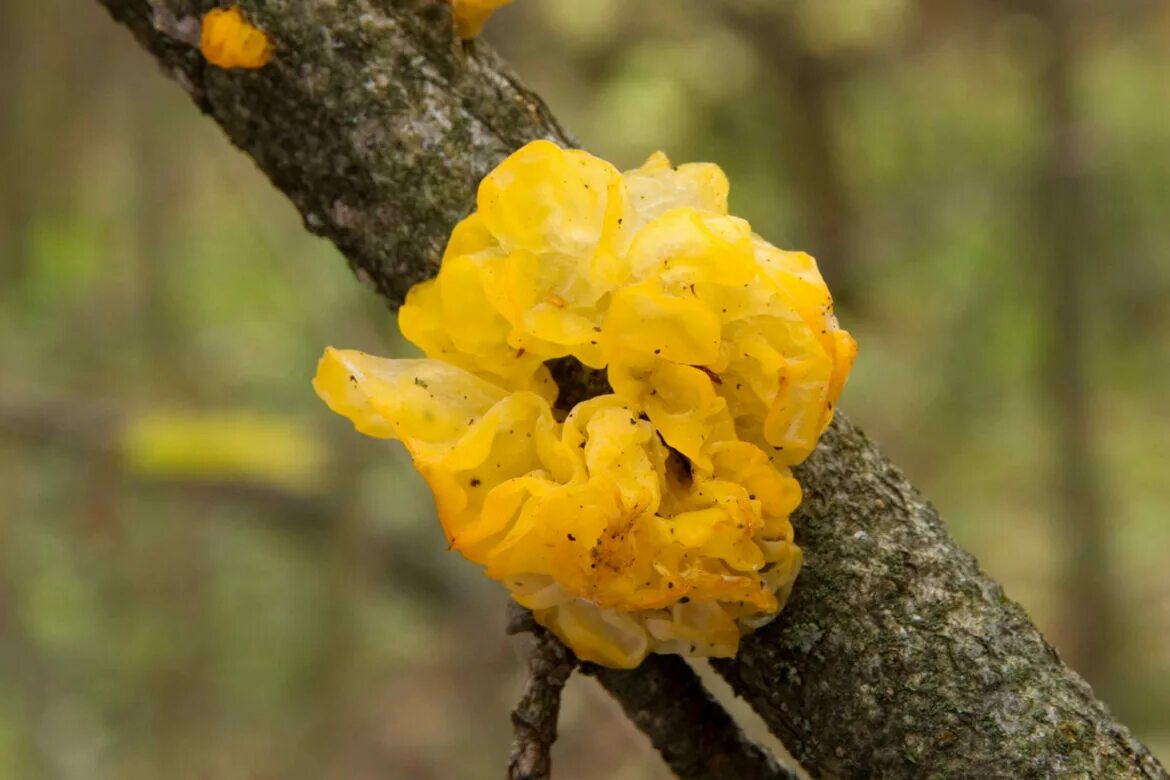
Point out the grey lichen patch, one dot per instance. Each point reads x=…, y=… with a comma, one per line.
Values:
x=804, y=637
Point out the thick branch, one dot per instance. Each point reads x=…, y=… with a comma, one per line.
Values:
x=896, y=655
x=373, y=119
x=693, y=733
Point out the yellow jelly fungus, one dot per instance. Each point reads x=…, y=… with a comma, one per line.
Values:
x=652, y=519
x=228, y=40
x=470, y=15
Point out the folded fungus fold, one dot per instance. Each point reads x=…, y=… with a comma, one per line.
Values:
x=654, y=518
x=470, y=15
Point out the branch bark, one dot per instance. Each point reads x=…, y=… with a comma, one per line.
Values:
x=896, y=656
x=663, y=697
x=696, y=737
x=534, y=721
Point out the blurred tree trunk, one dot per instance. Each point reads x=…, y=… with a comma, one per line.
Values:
x=18, y=194
x=34, y=692
x=1065, y=240
x=809, y=141
x=337, y=662
x=896, y=655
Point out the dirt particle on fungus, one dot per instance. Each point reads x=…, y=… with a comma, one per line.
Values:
x=353, y=379
x=418, y=380
x=685, y=600
x=571, y=537
x=475, y=482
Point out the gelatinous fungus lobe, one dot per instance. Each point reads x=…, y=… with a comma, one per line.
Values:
x=229, y=40
x=653, y=517
x=470, y=15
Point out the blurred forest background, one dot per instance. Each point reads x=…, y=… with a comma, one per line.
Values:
x=205, y=574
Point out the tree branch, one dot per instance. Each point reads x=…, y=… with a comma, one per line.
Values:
x=664, y=698
x=534, y=721
x=895, y=655
x=693, y=733
x=372, y=118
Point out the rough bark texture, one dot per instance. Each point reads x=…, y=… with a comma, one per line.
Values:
x=373, y=119
x=896, y=657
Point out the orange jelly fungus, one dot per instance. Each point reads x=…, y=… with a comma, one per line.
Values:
x=228, y=40
x=470, y=15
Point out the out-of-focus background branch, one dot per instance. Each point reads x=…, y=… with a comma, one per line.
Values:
x=986, y=184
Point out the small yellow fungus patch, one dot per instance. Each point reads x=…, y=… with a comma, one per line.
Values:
x=228, y=40
x=470, y=15
x=652, y=519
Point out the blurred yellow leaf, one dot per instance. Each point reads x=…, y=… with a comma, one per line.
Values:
x=236, y=445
